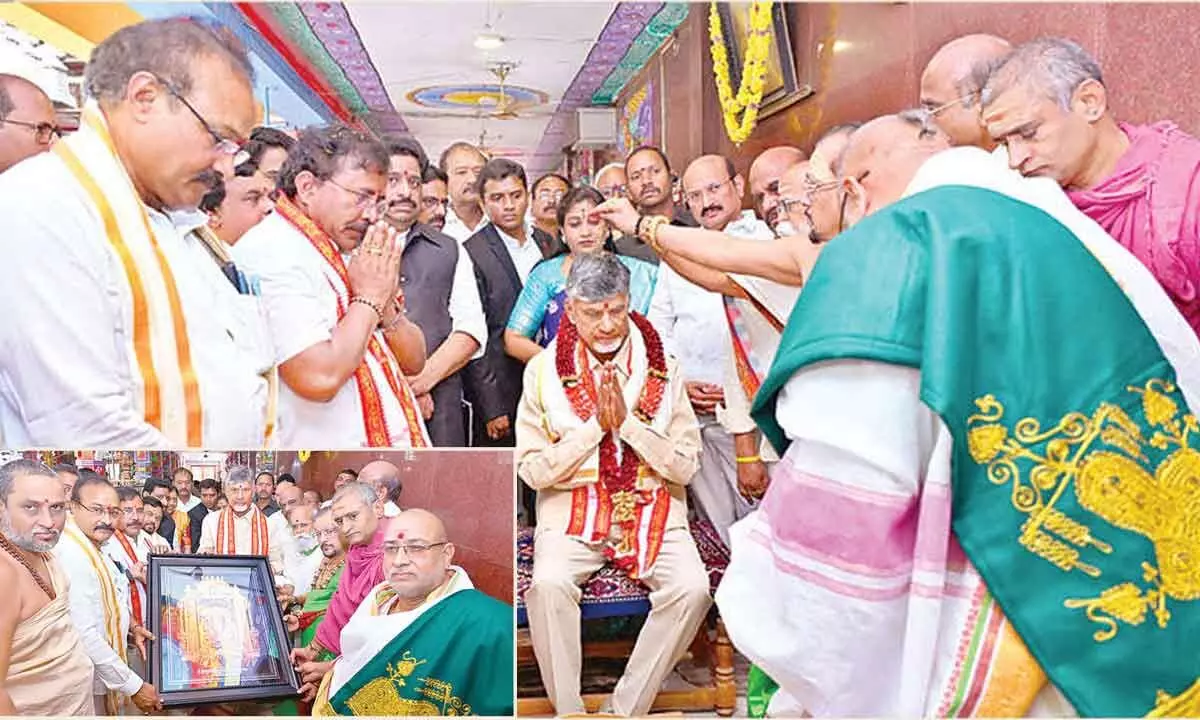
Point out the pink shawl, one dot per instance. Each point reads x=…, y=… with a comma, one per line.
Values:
x=1151, y=205
x=363, y=571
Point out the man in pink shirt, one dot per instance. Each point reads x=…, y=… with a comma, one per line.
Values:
x=358, y=514
x=1048, y=105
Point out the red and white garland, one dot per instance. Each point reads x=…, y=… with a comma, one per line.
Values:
x=580, y=388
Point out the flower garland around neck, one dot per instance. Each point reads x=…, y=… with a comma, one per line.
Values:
x=617, y=480
x=740, y=112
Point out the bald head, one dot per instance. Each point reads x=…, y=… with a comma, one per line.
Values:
x=384, y=477
x=416, y=555
x=765, y=174
x=883, y=156
x=952, y=83
x=23, y=107
x=417, y=524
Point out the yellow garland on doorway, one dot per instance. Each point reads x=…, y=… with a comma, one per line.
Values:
x=740, y=112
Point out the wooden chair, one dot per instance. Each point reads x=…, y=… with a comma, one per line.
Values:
x=609, y=593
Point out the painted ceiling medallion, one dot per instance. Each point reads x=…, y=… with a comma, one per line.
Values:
x=477, y=96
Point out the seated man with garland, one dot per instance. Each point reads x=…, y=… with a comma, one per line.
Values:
x=608, y=439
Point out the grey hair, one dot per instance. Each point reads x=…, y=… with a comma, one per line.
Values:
x=10, y=471
x=322, y=512
x=239, y=475
x=168, y=48
x=365, y=493
x=970, y=86
x=1054, y=67
x=597, y=276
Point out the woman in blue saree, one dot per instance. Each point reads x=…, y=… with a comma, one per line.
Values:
x=540, y=308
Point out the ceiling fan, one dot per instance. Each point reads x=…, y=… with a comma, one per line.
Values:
x=505, y=108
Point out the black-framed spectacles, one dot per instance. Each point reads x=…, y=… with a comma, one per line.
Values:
x=222, y=144
x=43, y=133
x=411, y=550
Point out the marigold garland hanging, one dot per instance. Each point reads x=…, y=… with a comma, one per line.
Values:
x=740, y=112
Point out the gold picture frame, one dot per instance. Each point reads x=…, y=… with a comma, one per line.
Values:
x=783, y=87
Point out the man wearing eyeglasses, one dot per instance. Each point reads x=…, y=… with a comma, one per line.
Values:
x=438, y=284
x=692, y=321
x=452, y=644
x=28, y=124
x=939, y=319
x=184, y=362
x=765, y=173
x=101, y=599
x=434, y=199
x=330, y=275
x=547, y=192
x=952, y=84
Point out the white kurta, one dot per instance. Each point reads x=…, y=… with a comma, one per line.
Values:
x=115, y=551
x=302, y=310
x=693, y=327
x=66, y=358
x=898, y=656
x=87, y=613
x=365, y=634
x=278, y=538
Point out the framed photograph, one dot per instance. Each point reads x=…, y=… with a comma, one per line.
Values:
x=783, y=87
x=219, y=631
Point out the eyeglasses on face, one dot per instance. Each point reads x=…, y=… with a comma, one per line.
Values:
x=43, y=133
x=693, y=196
x=109, y=512
x=223, y=145
x=362, y=198
x=410, y=550
x=552, y=195
x=935, y=110
x=612, y=191
x=786, y=205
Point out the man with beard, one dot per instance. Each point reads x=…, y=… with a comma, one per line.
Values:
x=169, y=103
x=28, y=124
x=129, y=548
x=438, y=284
x=434, y=199
x=100, y=599
x=462, y=162
x=504, y=253
x=883, y=421
x=357, y=512
x=765, y=174
x=300, y=564
x=1048, y=105
x=330, y=281
x=152, y=515
x=264, y=493
x=323, y=581
x=694, y=325
x=210, y=491
x=546, y=193
x=44, y=669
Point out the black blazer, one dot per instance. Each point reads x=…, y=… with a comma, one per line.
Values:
x=493, y=382
x=195, y=523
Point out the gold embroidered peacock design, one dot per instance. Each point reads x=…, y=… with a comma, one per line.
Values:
x=1102, y=458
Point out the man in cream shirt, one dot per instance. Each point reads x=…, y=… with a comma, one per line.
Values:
x=147, y=349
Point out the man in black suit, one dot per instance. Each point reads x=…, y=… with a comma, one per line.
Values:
x=440, y=296
x=504, y=252
x=210, y=491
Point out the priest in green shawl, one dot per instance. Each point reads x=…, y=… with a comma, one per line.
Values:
x=987, y=502
x=425, y=641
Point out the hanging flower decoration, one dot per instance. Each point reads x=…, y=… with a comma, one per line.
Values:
x=303, y=455
x=740, y=111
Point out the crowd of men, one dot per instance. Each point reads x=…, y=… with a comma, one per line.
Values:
x=351, y=574
x=826, y=380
